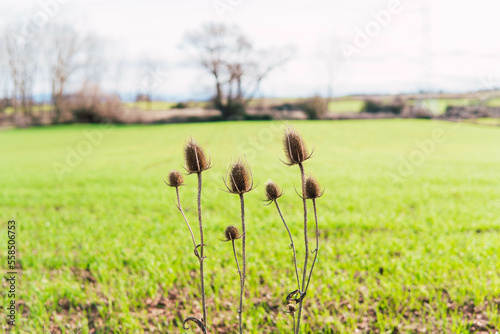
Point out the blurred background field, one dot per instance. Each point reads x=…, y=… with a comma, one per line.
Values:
x=103, y=248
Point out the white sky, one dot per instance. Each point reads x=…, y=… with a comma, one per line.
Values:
x=453, y=48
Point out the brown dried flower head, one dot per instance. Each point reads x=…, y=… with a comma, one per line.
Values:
x=196, y=160
x=239, y=179
x=175, y=178
x=312, y=188
x=273, y=191
x=295, y=147
x=231, y=233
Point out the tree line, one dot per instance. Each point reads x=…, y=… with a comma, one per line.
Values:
x=64, y=60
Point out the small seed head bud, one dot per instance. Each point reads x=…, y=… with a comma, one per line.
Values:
x=231, y=233
x=313, y=189
x=196, y=160
x=175, y=178
x=295, y=147
x=273, y=191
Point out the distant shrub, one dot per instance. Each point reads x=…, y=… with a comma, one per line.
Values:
x=180, y=105
x=373, y=106
x=264, y=117
x=314, y=107
x=233, y=110
x=91, y=105
x=285, y=107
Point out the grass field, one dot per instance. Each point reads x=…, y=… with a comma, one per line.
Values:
x=162, y=105
x=345, y=105
x=410, y=228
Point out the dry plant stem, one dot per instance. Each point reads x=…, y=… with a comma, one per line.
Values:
x=306, y=241
x=236, y=258
x=239, y=273
x=241, y=280
x=243, y=248
x=317, y=244
x=183, y=215
x=201, y=258
x=293, y=317
x=292, y=245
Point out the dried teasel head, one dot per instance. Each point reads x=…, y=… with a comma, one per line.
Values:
x=239, y=179
x=175, y=179
x=295, y=147
x=273, y=191
x=231, y=233
x=312, y=188
x=195, y=158
x=290, y=308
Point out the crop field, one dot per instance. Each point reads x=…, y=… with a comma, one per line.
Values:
x=409, y=228
x=346, y=105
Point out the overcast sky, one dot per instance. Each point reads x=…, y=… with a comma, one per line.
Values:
x=421, y=45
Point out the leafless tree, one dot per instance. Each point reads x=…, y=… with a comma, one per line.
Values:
x=22, y=57
x=4, y=74
x=151, y=75
x=331, y=59
x=235, y=65
x=69, y=53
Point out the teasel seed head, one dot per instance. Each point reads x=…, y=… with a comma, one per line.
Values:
x=312, y=188
x=196, y=160
x=295, y=147
x=175, y=178
x=273, y=191
x=239, y=179
x=231, y=233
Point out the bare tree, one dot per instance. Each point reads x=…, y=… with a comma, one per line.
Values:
x=69, y=53
x=235, y=65
x=151, y=75
x=332, y=60
x=22, y=56
x=4, y=74
x=262, y=63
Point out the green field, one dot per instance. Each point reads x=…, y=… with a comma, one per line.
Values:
x=161, y=105
x=485, y=121
x=346, y=105
x=410, y=234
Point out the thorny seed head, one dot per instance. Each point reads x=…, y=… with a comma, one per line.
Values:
x=239, y=179
x=295, y=147
x=196, y=160
x=291, y=308
x=273, y=191
x=231, y=233
x=312, y=189
x=175, y=178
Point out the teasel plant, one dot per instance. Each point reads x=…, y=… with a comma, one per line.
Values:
x=232, y=234
x=297, y=153
x=273, y=192
x=196, y=162
x=239, y=181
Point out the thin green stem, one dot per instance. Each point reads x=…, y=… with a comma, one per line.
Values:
x=201, y=258
x=306, y=241
x=183, y=215
x=291, y=244
x=317, y=244
x=243, y=248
